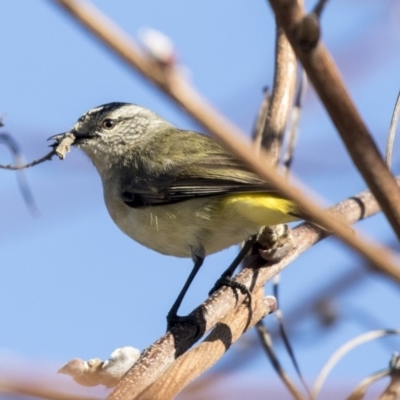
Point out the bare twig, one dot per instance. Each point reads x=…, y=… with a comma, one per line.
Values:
x=266, y=341
x=343, y=350
x=22, y=182
x=359, y=392
x=285, y=338
x=173, y=84
x=392, y=392
x=392, y=132
x=47, y=157
x=294, y=123
x=328, y=83
x=60, y=149
x=325, y=293
x=260, y=120
x=281, y=99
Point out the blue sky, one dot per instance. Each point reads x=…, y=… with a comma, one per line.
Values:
x=72, y=285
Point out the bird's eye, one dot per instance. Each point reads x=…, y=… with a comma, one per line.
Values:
x=108, y=123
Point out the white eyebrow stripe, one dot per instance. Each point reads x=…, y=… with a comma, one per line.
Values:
x=94, y=110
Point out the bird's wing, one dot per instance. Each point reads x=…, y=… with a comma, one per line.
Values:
x=210, y=174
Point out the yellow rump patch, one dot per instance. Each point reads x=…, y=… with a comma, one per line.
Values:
x=260, y=208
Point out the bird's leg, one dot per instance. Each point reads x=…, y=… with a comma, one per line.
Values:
x=226, y=277
x=172, y=316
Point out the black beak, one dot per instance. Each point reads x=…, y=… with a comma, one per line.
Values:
x=78, y=137
x=57, y=138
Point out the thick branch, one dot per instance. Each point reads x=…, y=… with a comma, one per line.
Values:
x=328, y=83
x=197, y=360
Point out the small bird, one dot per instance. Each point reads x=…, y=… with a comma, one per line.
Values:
x=178, y=192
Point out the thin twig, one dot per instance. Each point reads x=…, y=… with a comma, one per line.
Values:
x=294, y=123
x=21, y=179
x=281, y=99
x=328, y=83
x=392, y=391
x=392, y=132
x=359, y=392
x=266, y=341
x=61, y=147
x=260, y=120
x=173, y=83
x=343, y=350
x=285, y=337
x=341, y=284
x=47, y=157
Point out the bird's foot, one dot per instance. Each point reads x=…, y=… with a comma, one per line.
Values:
x=174, y=320
x=230, y=282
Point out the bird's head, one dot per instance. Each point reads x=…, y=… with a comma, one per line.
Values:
x=110, y=130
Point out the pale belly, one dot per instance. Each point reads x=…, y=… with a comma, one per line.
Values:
x=178, y=229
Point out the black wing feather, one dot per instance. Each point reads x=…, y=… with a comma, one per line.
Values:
x=202, y=174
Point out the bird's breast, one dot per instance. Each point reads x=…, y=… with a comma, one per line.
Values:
x=176, y=229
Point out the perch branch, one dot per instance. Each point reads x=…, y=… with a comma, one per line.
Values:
x=197, y=360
